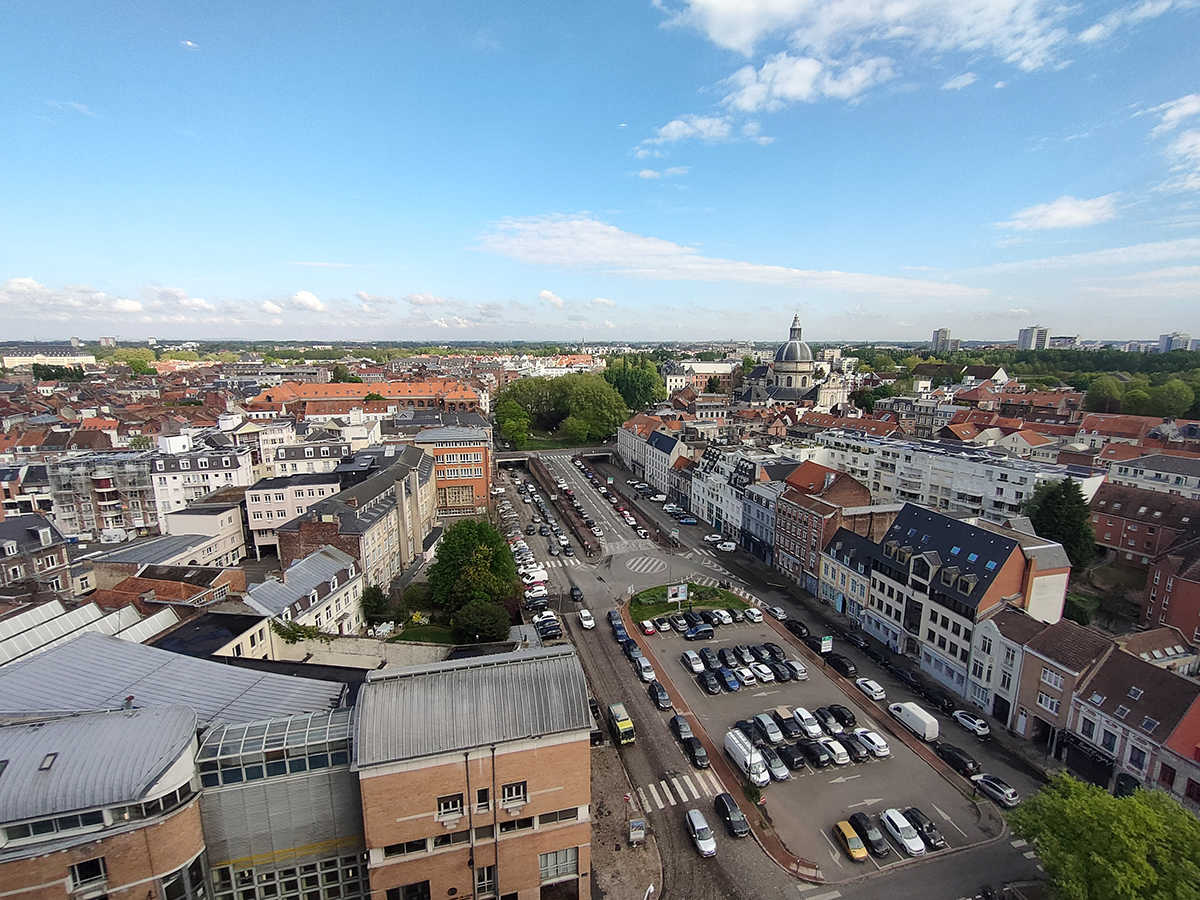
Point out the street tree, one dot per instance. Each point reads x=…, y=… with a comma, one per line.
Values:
x=1095, y=846
x=480, y=621
x=473, y=562
x=1059, y=512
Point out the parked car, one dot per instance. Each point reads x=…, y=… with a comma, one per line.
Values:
x=793, y=757
x=709, y=683
x=662, y=624
x=843, y=665
x=775, y=652
x=958, y=759
x=736, y=615
x=873, y=742
x=938, y=698
x=767, y=730
x=696, y=752
x=798, y=669
x=679, y=623
x=902, y=832
x=701, y=834
x=647, y=627
x=760, y=653
x=775, y=766
x=723, y=616
x=691, y=661
x=857, y=749
x=680, y=727
x=782, y=673
x=973, y=723
x=847, y=838
x=925, y=828
x=907, y=677
x=753, y=615
x=745, y=654
x=829, y=722
x=870, y=834
x=709, y=659
x=854, y=639
x=762, y=673
x=839, y=753
x=729, y=813
x=799, y=629
x=870, y=688
x=843, y=715
x=817, y=753
x=998, y=790
x=745, y=677
x=778, y=612
x=701, y=632
x=728, y=680
x=807, y=722
x=729, y=659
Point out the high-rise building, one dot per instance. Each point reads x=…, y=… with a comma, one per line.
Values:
x=1035, y=337
x=941, y=342
x=1173, y=341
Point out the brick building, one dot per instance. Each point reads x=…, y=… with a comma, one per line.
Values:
x=1172, y=592
x=33, y=558
x=1135, y=525
x=468, y=788
x=463, y=461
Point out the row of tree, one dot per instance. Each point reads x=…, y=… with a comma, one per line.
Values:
x=578, y=407
x=1139, y=397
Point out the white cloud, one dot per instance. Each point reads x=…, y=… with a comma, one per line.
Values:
x=551, y=298
x=271, y=309
x=374, y=300
x=427, y=299
x=1134, y=254
x=1065, y=212
x=673, y=171
x=958, y=82
x=582, y=241
x=1127, y=17
x=307, y=300
x=189, y=45
x=1184, y=153
x=1173, y=113
x=123, y=305
x=71, y=104
x=601, y=301
x=785, y=79
x=705, y=128
x=1025, y=33
x=649, y=174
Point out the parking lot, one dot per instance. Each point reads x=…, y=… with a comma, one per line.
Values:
x=803, y=809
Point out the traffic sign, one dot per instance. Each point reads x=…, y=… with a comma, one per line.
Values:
x=827, y=643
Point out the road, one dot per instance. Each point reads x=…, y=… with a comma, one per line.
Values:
x=741, y=869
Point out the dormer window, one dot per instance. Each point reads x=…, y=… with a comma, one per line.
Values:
x=10, y=548
x=44, y=536
x=1135, y=693
x=333, y=583
x=184, y=464
x=312, y=597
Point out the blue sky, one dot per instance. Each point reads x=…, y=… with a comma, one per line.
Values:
x=633, y=170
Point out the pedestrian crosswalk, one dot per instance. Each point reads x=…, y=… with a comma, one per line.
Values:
x=563, y=562
x=675, y=789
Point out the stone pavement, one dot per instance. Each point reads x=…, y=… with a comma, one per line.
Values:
x=619, y=872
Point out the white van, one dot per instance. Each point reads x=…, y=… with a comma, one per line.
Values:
x=746, y=759
x=916, y=720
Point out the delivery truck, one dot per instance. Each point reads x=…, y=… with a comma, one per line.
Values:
x=916, y=720
x=620, y=724
x=746, y=759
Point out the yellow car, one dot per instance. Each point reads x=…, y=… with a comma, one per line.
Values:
x=850, y=841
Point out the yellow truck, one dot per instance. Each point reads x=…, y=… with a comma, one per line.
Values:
x=620, y=724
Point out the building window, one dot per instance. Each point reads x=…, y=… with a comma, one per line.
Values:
x=559, y=864
x=485, y=881
x=1052, y=678
x=1005, y=681
x=1192, y=791
x=985, y=646
x=1010, y=657
x=514, y=793
x=1137, y=758
x=87, y=873
x=417, y=891
x=1087, y=728
x=1048, y=703
x=449, y=806
x=1109, y=741
x=482, y=800
x=406, y=847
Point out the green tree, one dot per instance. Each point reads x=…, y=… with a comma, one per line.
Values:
x=1059, y=512
x=1104, y=395
x=513, y=422
x=574, y=428
x=140, y=442
x=713, y=385
x=1095, y=846
x=473, y=562
x=373, y=395
x=480, y=621
x=636, y=380
x=747, y=365
x=139, y=367
x=341, y=375
x=1135, y=402
x=1081, y=608
x=375, y=604
x=864, y=400
x=1174, y=398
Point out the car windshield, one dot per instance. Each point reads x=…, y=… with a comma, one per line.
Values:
x=855, y=843
x=908, y=832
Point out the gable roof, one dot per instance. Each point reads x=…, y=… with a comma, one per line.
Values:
x=1152, y=507
x=1139, y=694
x=1070, y=645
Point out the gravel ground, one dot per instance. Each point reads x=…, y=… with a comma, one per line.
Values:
x=619, y=872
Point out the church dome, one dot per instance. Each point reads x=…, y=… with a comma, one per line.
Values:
x=795, y=350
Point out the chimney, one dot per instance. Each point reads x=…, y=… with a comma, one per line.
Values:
x=128, y=704
x=829, y=477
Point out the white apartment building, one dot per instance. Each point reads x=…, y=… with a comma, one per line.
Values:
x=316, y=457
x=186, y=468
x=221, y=522
x=273, y=501
x=323, y=590
x=720, y=480
x=946, y=476
x=1179, y=475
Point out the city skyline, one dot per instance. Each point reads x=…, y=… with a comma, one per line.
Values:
x=649, y=171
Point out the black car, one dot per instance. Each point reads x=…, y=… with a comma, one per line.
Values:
x=788, y=725
x=782, y=673
x=659, y=694
x=776, y=652
x=799, y=629
x=709, y=659
x=793, y=757
x=632, y=650
x=828, y=720
x=614, y=617
x=907, y=677
x=870, y=834
x=693, y=619
x=696, y=752
x=710, y=618
x=925, y=828
x=701, y=632
x=729, y=813
x=576, y=593
x=728, y=658
x=843, y=715
x=680, y=727
x=746, y=727
x=939, y=699
x=959, y=760
x=842, y=665
x=709, y=683
x=854, y=748
x=854, y=639
x=594, y=706
x=737, y=615
x=544, y=530
x=620, y=634
x=537, y=604
x=876, y=656
x=816, y=753
x=813, y=643
x=760, y=653
x=531, y=529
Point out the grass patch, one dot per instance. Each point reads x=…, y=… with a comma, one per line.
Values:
x=546, y=442
x=425, y=634
x=653, y=601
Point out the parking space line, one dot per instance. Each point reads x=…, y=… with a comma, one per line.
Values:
x=657, y=799
x=834, y=855
x=645, y=803
x=687, y=779
x=682, y=794
x=667, y=792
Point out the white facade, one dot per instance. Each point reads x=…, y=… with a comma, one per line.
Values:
x=224, y=526
x=273, y=501
x=1035, y=337
x=182, y=478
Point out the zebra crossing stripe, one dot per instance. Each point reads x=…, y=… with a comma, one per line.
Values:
x=645, y=804
x=716, y=782
x=667, y=792
x=654, y=793
x=687, y=779
x=679, y=790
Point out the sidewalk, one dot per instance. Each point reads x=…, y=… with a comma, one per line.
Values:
x=619, y=871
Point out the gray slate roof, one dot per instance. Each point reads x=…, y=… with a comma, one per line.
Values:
x=416, y=711
x=103, y=759
x=1161, y=462
x=156, y=549
x=272, y=597
x=24, y=530
x=95, y=671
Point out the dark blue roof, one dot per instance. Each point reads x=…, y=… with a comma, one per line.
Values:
x=662, y=441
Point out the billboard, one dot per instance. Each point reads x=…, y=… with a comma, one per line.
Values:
x=677, y=592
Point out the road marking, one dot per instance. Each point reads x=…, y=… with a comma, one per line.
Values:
x=1018, y=843
x=805, y=888
x=831, y=895
x=679, y=791
x=645, y=565
x=645, y=803
x=946, y=816
x=716, y=782
x=1029, y=854
x=842, y=779
x=687, y=779
x=833, y=855
x=654, y=793
x=868, y=802
x=667, y=792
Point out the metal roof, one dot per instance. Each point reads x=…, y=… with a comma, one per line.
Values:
x=416, y=711
x=96, y=671
x=272, y=597
x=99, y=759
x=155, y=550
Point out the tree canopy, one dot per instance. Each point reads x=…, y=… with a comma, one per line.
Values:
x=341, y=375
x=473, y=563
x=636, y=380
x=1095, y=846
x=1059, y=512
x=480, y=621
x=584, y=407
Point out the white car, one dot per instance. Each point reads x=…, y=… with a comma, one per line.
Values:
x=834, y=746
x=692, y=662
x=586, y=619
x=807, y=722
x=871, y=689
x=597, y=531
x=762, y=673
x=497, y=491
x=903, y=833
x=873, y=742
x=723, y=616
x=537, y=591
x=713, y=538
x=727, y=546
x=753, y=615
x=547, y=616
x=745, y=676
x=971, y=722
x=537, y=576
x=658, y=498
